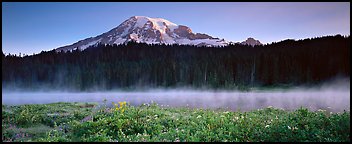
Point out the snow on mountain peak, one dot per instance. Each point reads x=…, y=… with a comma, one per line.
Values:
x=148, y=30
x=251, y=41
x=158, y=23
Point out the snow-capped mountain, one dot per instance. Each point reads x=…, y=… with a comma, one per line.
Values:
x=148, y=30
x=251, y=41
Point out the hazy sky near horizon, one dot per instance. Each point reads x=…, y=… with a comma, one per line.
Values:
x=29, y=28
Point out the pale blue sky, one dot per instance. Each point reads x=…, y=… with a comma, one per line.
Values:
x=32, y=27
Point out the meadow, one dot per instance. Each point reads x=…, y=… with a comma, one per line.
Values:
x=90, y=122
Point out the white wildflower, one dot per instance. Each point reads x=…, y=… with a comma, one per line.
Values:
x=320, y=110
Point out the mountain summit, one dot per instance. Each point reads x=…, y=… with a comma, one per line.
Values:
x=251, y=41
x=148, y=30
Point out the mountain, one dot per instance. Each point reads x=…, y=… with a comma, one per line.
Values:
x=148, y=30
x=251, y=41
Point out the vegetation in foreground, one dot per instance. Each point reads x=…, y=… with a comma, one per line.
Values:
x=150, y=122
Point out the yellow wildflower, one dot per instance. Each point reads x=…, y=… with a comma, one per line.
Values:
x=121, y=106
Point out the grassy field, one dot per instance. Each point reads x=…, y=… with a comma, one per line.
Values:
x=90, y=122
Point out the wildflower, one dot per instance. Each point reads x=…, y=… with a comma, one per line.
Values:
x=122, y=106
x=320, y=110
x=269, y=121
x=288, y=127
x=266, y=126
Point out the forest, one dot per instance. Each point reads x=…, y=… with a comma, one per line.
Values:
x=138, y=65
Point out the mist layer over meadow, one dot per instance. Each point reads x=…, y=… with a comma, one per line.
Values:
x=334, y=97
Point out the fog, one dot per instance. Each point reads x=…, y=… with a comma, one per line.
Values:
x=334, y=98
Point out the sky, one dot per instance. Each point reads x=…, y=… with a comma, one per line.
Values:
x=33, y=27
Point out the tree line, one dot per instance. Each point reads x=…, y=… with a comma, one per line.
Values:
x=134, y=65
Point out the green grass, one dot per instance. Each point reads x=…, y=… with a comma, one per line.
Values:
x=31, y=122
x=155, y=123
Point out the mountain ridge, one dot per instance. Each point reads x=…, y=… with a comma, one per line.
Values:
x=151, y=31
